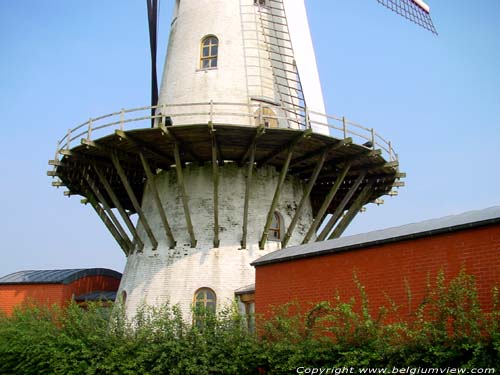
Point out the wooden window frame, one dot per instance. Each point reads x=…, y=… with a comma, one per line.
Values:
x=210, y=57
x=278, y=229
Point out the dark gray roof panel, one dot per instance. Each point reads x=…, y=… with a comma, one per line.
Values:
x=426, y=228
x=246, y=289
x=56, y=276
x=96, y=296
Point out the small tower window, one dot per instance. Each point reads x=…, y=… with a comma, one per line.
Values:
x=209, y=52
x=276, y=228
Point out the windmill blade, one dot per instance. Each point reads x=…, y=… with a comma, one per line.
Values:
x=416, y=11
x=152, y=6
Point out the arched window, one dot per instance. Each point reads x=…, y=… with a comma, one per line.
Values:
x=267, y=117
x=276, y=228
x=203, y=305
x=123, y=297
x=205, y=299
x=209, y=52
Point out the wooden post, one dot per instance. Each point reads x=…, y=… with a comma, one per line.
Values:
x=89, y=130
x=180, y=181
x=352, y=212
x=277, y=192
x=133, y=199
x=252, y=149
x=109, y=212
x=344, y=127
x=68, y=139
x=304, y=198
x=118, y=205
x=157, y=200
x=215, y=178
x=326, y=203
x=122, y=118
x=340, y=208
x=102, y=215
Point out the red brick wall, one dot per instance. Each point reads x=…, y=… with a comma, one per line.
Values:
x=383, y=270
x=49, y=294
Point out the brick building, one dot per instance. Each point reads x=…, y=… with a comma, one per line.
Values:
x=385, y=262
x=57, y=287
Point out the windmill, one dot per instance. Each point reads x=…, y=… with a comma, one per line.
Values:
x=234, y=158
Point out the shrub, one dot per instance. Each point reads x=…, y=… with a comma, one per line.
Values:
x=448, y=329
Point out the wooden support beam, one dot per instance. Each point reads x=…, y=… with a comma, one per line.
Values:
x=251, y=148
x=215, y=179
x=277, y=192
x=178, y=143
x=141, y=146
x=102, y=215
x=182, y=188
x=133, y=199
x=97, y=193
x=306, y=133
x=305, y=197
x=352, y=212
x=312, y=154
x=125, y=217
x=251, y=162
x=326, y=203
x=340, y=208
x=213, y=135
x=157, y=200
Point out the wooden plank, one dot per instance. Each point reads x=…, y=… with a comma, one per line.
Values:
x=252, y=149
x=326, y=203
x=107, y=222
x=143, y=147
x=157, y=200
x=118, y=205
x=352, y=212
x=340, y=208
x=133, y=199
x=215, y=179
x=180, y=181
x=305, y=197
x=312, y=154
x=306, y=133
x=277, y=192
x=93, y=186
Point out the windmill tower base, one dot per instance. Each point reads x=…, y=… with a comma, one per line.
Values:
x=173, y=274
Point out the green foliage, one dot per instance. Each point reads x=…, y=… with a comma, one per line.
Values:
x=448, y=329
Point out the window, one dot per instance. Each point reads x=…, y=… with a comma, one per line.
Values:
x=209, y=52
x=267, y=117
x=123, y=297
x=276, y=228
x=260, y=2
x=203, y=304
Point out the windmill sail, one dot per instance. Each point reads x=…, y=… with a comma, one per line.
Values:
x=414, y=10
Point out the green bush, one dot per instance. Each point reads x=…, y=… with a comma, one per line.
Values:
x=448, y=329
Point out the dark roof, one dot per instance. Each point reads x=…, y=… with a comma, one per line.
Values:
x=245, y=290
x=56, y=276
x=96, y=296
x=471, y=219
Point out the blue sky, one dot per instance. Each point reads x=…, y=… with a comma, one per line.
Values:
x=436, y=98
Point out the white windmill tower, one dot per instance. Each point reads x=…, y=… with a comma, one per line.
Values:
x=240, y=159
